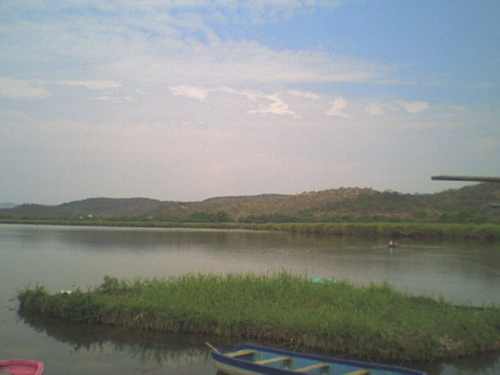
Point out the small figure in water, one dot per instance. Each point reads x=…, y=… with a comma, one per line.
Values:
x=392, y=244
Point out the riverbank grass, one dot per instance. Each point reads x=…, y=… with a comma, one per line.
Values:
x=374, y=322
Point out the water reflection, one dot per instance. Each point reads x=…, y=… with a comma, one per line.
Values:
x=135, y=239
x=185, y=353
x=65, y=257
x=484, y=364
x=150, y=351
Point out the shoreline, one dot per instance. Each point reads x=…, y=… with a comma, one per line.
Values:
x=388, y=230
x=374, y=322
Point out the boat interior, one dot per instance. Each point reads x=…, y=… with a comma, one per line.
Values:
x=298, y=364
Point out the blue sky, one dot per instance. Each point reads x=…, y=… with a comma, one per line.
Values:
x=183, y=100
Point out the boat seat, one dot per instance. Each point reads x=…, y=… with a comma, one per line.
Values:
x=272, y=360
x=315, y=366
x=359, y=372
x=240, y=353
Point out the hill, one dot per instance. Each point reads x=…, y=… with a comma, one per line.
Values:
x=467, y=204
x=87, y=208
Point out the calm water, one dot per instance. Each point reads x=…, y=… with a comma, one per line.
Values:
x=64, y=257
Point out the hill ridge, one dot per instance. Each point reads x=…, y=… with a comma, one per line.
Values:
x=469, y=203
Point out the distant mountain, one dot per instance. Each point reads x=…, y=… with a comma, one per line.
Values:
x=467, y=204
x=87, y=208
x=7, y=205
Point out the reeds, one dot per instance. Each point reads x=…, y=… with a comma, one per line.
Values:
x=374, y=322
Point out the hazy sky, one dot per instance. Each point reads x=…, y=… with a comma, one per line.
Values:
x=182, y=100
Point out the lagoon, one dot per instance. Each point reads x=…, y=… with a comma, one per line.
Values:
x=64, y=257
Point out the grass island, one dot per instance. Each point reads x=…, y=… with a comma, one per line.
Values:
x=372, y=322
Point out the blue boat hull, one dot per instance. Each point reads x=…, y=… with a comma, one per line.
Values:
x=245, y=365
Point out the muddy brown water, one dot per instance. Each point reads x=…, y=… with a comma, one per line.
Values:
x=65, y=257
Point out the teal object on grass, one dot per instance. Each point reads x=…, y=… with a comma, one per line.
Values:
x=322, y=280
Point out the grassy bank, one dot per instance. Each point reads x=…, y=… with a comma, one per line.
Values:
x=373, y=322
x=489, y=232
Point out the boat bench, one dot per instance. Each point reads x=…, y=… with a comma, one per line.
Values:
x=325, y=366
x=315, y=366
x=240, y=353
x=273, y=360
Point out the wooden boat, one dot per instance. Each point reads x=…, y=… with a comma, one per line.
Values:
x=248, y=359
x=21, y=367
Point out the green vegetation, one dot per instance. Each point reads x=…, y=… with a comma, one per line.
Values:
x=468, y=205
x=453, y=214
x=489, y=232
x=208, y=217
x=374, y=322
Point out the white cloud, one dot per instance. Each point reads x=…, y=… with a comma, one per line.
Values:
x=269, y=103
x=230, y=5
x=239, y=64
x=241, y=11
x=375, y=109
x=304, y=94
x=413, y=106
x=192, y=92
x=21, y=89
x=153, y=46
x=337, y=108
x=93, y=85
x=276, y=106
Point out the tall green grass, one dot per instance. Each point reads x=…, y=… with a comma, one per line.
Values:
x=374, y=322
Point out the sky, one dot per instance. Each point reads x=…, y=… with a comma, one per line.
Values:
x=185, y=100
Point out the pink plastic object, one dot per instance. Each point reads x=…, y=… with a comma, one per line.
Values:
x=21, y=367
